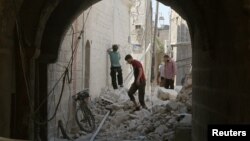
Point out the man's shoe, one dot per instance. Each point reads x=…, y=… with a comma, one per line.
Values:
x=135, y=109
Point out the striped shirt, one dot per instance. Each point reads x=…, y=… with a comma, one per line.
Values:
x=170, y=69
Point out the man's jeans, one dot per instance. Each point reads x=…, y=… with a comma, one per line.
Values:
x=116, y=72
x=169, y=84
x=141, y=89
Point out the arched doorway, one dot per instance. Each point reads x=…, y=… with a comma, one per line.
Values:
x=210, y=58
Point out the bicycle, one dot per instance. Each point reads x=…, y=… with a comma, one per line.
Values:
x=84, y=117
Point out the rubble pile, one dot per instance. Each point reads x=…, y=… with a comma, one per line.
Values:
x=157, y=123
x=185, y=95
x=167, y=111
x=166, y=94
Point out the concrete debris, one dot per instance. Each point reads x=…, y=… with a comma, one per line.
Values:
x=185, y=95
x=154, y=136
x=115, y=107
x=185, y=119
x=114, y=96
x=172, y=106
x=161, y=129
x=127, y=104
x=166, y=94
x=182, y=108
x=158, y=109
x=178, y=88
x=167, y=111
x=172, y=121
x=143, y=113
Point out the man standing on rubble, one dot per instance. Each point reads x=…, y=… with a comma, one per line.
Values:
x=170, y=72
x=116, y=69
x=138, y=84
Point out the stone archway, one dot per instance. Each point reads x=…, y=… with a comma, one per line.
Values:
x=213, y=28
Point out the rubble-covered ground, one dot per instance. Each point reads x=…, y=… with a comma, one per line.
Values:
x=168, y=109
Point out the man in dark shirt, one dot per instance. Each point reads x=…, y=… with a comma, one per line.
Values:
x=139, y=82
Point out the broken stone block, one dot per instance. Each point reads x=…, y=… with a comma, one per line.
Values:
x=154, y=136
x=154, y=125
x=140, y=138
x=157, y=123
x=161, y=129
x=186, y=119
x=127, y=104
x=166, y=94
x=182, y=108
x=188, y=82
x=114, y=107
x=168, y=117
x=132, y=116
x=172, y=120
x=171, y=106
x=148, y=128
x=120, y=118
x=98, y=118
x=158, y=109
x=140, y=128
x=178, y=88
x=132, y=124
x=142, y=114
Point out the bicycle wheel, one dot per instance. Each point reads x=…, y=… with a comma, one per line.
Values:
x=85, y=119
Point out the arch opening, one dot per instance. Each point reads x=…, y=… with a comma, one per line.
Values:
x=101, y=30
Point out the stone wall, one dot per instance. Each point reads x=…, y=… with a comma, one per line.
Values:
x=55, y=71
x=141, y=34
x=7, y=62
x=183, y=57
x=106, y=23
x=181, y=44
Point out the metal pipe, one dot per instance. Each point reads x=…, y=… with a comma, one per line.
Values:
x=100, y=126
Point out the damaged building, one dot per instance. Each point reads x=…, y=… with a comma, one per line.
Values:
x=88, y=38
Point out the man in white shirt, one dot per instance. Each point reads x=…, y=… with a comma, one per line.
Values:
x=161, y=76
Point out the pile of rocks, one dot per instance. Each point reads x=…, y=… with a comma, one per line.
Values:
x=168, y=115
x=185, y=95
x=169, y=110
x=166, y=94
x=157, y=123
